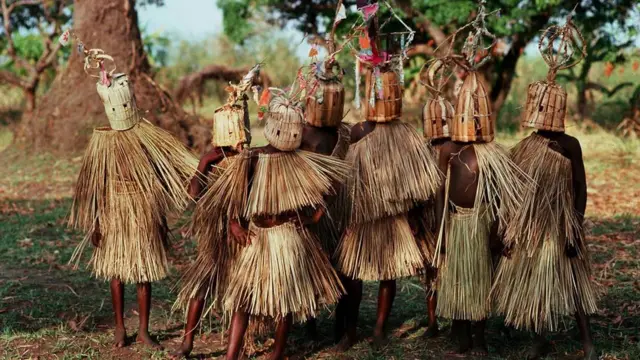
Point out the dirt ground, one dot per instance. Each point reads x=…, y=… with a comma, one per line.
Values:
x=51, y=310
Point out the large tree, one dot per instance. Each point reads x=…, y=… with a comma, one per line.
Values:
x=519, y=23
x=70, y=110
x=29, y=56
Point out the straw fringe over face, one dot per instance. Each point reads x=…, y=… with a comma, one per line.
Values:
x=290, y=181
x=128, y=182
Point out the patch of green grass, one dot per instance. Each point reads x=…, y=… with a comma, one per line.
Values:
x=619, y=223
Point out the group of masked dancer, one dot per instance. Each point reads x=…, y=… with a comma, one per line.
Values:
x=287, y=230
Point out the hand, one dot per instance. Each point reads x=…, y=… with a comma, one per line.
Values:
x=506, y=252
x=571, y=251
x=239, y=234
x=96, y=237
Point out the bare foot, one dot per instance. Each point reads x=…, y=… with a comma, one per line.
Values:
x=346, y=343
x=380, y=340
x=432, y=331
x=461, y=351
x=480, y=351
x=145, y=338
x=120, y=338
x=274, y=356
x=183, y=352
x=539, y=350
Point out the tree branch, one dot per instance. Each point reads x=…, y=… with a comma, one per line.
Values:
x=6, y=16
x=422, y=22
x=421, y=49
x=599, y=87
x=11, y=78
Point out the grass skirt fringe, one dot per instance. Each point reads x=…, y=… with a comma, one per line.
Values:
x=392, y=168
x=549, y=210
x=283, y=271
x=465, y=277
x=290, y=181
x=216, y=251
x=128, y=182
x=534, y=292
x=502, y=185
x=384, y=249
x=540, y=284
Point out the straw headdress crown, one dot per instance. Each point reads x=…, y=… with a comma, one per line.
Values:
x=325, y=105
x=119, y=102
x=231, y=122
x=546, y=100
x=284, y=124
x=438, y=111
x=472, y=121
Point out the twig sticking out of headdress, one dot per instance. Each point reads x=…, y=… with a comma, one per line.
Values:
x=238, y=92
x=474, y=53
x=93, y=58
x=438, y=75
x=570, y=51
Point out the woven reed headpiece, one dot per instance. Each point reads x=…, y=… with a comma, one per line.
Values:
x=231, y=122
x=546, y=100
x=438, y=111
x=119, y=102
x=284, y=124
x=325, y=102
x=472, y=120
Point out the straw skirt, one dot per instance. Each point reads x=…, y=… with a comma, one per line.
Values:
x=540, y=284
x=535, y=292
x=135, y=251
x=283, y=271
x=128, y=182
x=464, y=285
x=383, y=249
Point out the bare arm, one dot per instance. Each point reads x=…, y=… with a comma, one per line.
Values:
x=580, y=190
x=205, y=165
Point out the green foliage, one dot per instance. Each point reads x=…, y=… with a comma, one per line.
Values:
x=236, y=19
x=157, y=46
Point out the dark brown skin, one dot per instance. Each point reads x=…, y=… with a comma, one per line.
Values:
x=350, y=304
x=463, y=184
x=196, y=189
x=241, y=234
x=321, y=140
x=569, y=147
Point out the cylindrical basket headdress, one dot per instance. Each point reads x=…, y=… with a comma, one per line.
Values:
x=284, y=124
x=436, y=117
x=546, y=106
x=472, y=119
x=325, y=107
x=231, y=125
x=119, y=103
x=438, y=111
x=546, y=100
x=386, y=103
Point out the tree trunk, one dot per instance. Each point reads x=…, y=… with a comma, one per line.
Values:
x=30, y=97
x=581, y=87
x=505, y=72
x=70, y=110
x=582, y=98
